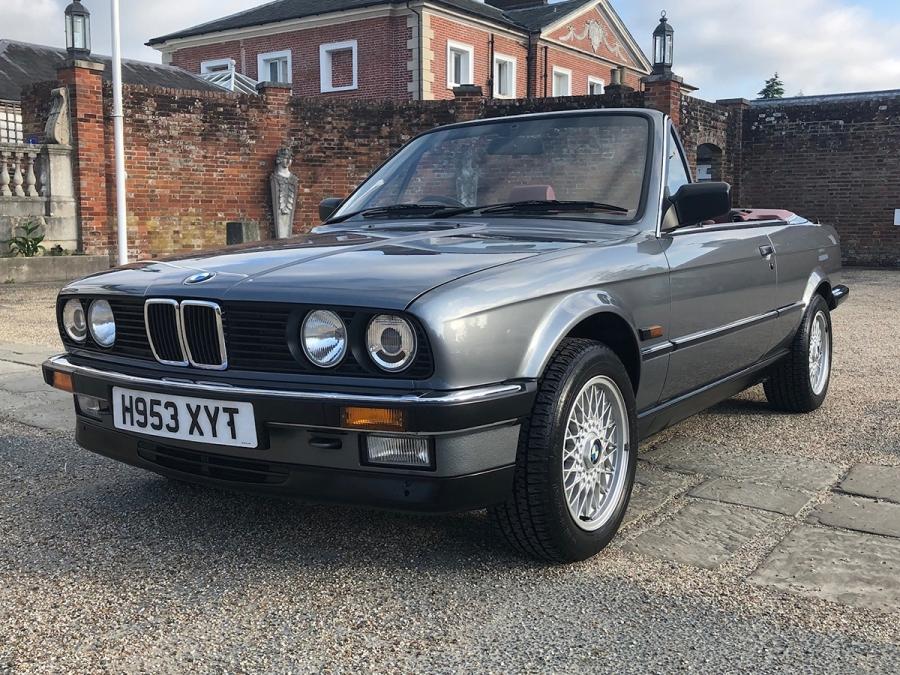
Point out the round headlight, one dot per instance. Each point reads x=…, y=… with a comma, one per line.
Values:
x=74, y=321
x=102, y=323
x=324, y=338
x=391, y=342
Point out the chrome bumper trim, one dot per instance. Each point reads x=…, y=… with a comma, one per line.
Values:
x=424, y=398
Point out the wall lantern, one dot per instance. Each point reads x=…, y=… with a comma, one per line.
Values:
x=663, y=47
x=78, y=30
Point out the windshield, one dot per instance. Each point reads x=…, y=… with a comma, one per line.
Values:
x=591, y=163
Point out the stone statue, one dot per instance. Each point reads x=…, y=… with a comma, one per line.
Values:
x=284, y=186
x=57, y=129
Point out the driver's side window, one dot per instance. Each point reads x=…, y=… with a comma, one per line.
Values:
x=677, y=174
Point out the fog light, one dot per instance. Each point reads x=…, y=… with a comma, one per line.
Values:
x=408, y=451
x=90, y=406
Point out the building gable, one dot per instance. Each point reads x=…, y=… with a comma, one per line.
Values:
x=598, y=31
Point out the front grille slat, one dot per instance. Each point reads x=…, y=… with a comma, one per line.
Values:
x=201, y=333
x=162, y=331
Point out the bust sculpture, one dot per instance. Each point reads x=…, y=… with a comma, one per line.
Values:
x=284, y=187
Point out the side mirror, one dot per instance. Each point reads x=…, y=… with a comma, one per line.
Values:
x=697, y=202
x=328, y=206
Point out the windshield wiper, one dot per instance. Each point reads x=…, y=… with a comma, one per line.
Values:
x=391, y=210
x=537, y=206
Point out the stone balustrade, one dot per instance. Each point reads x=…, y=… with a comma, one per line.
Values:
x=36, y=186
x=19, y=171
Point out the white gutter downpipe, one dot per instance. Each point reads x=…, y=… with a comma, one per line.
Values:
x=119, y=129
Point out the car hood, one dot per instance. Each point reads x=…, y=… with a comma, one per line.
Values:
x=386, y=268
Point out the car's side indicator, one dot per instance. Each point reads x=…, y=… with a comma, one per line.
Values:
x=651, y=333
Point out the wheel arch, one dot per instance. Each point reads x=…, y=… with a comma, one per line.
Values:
x=606, y=322
x=819, y=283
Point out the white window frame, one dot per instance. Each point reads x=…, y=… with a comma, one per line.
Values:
x=462, y=47
x=596, y=80
x=271, y=56
x=326, y=68
x=206, y=67
x=562, y=71
x=511, y=60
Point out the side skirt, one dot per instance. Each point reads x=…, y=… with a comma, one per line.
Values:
x=664, y=415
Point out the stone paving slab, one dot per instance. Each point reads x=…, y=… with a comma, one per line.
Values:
x=31, y=355
x=869, y=480
x=845, y=567
x=761, y=467
x=777, y=499
x=702, y=534
x=653, y=487
x=859, y=513
x=50, y=409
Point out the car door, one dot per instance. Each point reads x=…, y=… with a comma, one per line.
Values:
x=723, y=290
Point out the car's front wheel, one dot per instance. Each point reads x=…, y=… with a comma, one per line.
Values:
x=576, y=458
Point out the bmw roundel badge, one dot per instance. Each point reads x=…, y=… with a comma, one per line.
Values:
x=199, y=278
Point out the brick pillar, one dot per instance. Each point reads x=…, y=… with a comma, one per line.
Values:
x=733, y=161
x=664, y=92
x=469, y=102
x=84, y=80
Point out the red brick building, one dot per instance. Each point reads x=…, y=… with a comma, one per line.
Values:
x=417, y=50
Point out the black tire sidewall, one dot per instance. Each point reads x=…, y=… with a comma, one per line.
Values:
x=817, y=305
x=573, y=541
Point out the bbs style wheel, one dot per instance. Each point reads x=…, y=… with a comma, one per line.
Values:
x=576, y=458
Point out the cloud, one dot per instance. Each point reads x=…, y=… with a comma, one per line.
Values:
x=727, y=48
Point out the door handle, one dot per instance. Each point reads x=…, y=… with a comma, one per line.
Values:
x=766, y=251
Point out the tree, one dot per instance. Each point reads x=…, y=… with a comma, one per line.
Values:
x=774, y=88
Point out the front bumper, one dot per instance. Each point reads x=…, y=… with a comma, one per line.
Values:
x=303, y=450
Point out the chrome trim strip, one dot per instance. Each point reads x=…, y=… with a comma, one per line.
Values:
x=426, y=398
x=179, y=334
x=712, y=333
x=705, y=335
x=787, y=309
x=219, y=328
x=661, y=349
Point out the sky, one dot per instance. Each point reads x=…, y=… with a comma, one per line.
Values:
x=727, y=48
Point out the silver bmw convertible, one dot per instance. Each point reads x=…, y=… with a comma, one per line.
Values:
x=494, y=319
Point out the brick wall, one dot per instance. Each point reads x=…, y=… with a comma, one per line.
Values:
x=198, y=160
x=835, y=159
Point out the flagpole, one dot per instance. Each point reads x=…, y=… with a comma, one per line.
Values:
x=119, y=130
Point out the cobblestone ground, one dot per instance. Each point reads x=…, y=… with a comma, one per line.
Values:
x=755, y=541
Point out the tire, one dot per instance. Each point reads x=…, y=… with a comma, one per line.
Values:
x=792, y=386
x=538, y=519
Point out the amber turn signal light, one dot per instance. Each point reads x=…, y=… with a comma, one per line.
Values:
x=63, y=381
x=373, y=419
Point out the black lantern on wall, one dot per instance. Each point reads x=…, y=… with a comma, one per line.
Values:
x=78, y=30
x=663, y=47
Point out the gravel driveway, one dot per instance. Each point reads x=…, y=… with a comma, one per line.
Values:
x=107, y=568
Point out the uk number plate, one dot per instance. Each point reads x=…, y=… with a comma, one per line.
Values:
x=185, y=418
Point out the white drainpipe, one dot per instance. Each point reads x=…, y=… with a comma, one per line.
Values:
x=118, y=124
